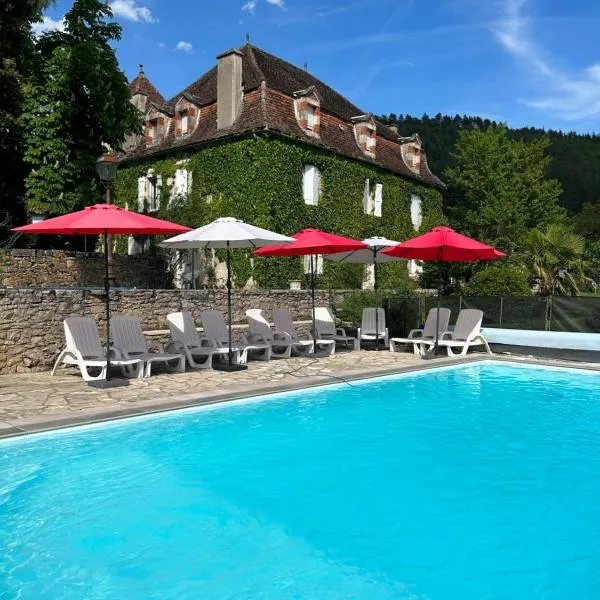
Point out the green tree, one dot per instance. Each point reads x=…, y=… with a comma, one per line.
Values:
x=76, y=101
x=554, y=258
x=16, y=48
x=506, y=190
x=498, y=281
x=587, y=222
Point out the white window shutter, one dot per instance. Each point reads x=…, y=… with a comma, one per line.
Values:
x=366, y=196
x=378, y=200
x=142, y=193
x=158, y=188
x=306, y=261
x=308, y=186
x=316, y=186
x=319, y=265
x=416, y=214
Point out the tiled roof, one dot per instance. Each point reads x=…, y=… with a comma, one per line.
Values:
x=142, y=85
x=269, y=83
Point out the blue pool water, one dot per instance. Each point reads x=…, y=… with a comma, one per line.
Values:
x=479, y=482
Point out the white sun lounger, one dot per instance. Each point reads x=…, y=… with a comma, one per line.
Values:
x=301, y=347
x=373, y=327
x=466, y=333
x=260, y=331
x=197, y=350
x=129, y=339
x=84, y=350
x=326, y=329
x=216, y=330
x=419, y=337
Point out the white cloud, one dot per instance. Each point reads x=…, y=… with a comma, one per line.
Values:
x=47, y=24
x=250, y=5
x=184, y=46
x=131, y=11
x=571, y=95
x=162, y=45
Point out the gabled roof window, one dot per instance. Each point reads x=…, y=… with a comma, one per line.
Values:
x=365, y=133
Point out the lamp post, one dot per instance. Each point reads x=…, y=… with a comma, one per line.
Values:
x=106, y=167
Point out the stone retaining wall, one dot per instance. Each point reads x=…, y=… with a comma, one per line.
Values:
x=56, y=268
x=31, y=330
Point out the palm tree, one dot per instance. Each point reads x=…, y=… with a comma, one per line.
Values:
x=554, y=258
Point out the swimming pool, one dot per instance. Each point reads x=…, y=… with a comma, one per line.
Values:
x=472, y=482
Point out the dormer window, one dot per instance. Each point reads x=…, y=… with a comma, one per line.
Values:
x=412, y=152
x=310, y=117
x=155, y=128
x=185, y=117
x=365, y=133
x=307, y=106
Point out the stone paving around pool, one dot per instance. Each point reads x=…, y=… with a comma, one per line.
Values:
x=34, y=401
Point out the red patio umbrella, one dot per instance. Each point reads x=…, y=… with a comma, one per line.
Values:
x=313, y=242
x=443, y=244
x=103, y=219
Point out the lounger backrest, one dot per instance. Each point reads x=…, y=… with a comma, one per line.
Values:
x=214, y=326
x=373, y=319
x=282, y=318
x=81, y=334
x=324, y=321
x=258, y=324
x=127, y=334
x=183, y=329
x=467, y=324
x=429, y=329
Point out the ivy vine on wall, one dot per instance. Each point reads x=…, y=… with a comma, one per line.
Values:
x=259, y=180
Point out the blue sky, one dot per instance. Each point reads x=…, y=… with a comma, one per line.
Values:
x=524, y=62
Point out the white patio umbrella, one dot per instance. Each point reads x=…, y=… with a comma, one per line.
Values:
x=229, y=233
x=372, y=255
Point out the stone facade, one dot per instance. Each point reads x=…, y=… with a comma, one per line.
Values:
x=31, y=330
x=58, y=268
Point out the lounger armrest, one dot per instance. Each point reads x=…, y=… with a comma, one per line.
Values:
x=341, y=331
x=116, y=352
x=282, y=335
x=156, y=346
x=447, y=335
x=206, y=342
x=415, y=334
x=254, y=338
x=175, y=348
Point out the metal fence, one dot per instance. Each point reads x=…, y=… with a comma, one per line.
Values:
x=559, y=313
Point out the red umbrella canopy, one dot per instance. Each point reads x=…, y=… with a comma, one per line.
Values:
x=312, y=241
x=445, y=245
x=103, y=218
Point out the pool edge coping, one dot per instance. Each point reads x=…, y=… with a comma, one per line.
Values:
x=23, y=427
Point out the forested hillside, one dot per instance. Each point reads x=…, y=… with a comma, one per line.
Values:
x=575, y=158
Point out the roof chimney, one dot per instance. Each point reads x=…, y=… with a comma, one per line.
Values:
x=229, y=88
x=393, y=128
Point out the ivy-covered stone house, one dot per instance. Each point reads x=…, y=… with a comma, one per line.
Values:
x=265, y=141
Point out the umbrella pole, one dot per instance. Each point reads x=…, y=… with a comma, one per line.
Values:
x=229, y=298
x=107, y=292
x=313, y=284
x=433, y=352
x=376, y=299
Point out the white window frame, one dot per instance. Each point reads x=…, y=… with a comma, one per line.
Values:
x=311, y=185
x=317, y=261
x=153, y=197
